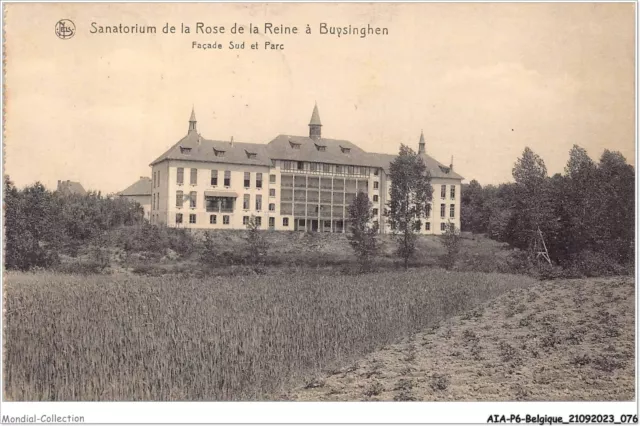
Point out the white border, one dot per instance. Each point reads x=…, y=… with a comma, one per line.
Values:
x=315, y=412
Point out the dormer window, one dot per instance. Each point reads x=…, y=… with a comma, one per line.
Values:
x=185, y=150
x=321, y=147
x=251, y=154
x=445, y=169
x=345, y=150
x=218, y=153
x=294, y=145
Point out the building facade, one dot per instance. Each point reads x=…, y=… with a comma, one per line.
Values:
x=295, y=183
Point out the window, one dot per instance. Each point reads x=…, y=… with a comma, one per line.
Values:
x=272, y=207
x=321, y=148
x=427, y=226
x=247, y=179
x=453, y=192
x=193, y=195
x=258, y=180
x=258, y=221
x=179, y=198
x=214, y=178
x=287, y=165
x=194, y=177
x=178, y=217
x=294, y=145
x=345, y=150
x=375, y=198
x=227, y=178
x=158, y=176
x=442, y=210
x=376, y=172
x=153, y=202
x=218, y=153
x=245, y=220
x=285, y=221
x=313, y=167
x=192, y=218
x=272, y=178
x=246, y=202
x=258, y=202
x=443, y=191
x=185, y=150
x=180, y=179
x=376, y=185
x=213, y=219
x=443, y=226
x=452, y=210
x=300, y=165
x=272, y=222
x=428, y=212
x=251, y=154
x=225, y=219
x=154, y=179
x=375, y=212
x=272, y=192
x=326, y=168
x=339, y=170
x=350, y=170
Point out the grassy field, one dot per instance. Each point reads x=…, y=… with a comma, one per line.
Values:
x=128, y=337
x=555, y=341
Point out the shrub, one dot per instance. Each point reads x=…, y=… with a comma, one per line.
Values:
x=452, y=244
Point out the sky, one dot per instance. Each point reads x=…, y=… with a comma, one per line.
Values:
x=482, y=80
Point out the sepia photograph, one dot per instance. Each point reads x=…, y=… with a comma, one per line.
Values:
x=319, y=202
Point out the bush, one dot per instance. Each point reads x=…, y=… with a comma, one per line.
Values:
x=593, y=264
x=452, y=244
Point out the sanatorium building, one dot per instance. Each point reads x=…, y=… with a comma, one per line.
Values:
x=302, y=183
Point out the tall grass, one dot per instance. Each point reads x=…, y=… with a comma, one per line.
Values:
x=233, y=338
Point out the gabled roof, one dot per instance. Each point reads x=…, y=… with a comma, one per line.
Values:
x=140, y=187
x=205, y=150
x=70, y=187
x=281, y=149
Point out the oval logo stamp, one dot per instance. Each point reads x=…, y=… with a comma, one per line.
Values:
x=65, y=29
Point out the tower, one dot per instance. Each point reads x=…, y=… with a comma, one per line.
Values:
x=421, y=149
x=315, y=126
x=192, y=121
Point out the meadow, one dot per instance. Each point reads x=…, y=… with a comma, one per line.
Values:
x=131, y=337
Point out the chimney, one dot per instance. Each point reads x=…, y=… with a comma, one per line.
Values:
x=451, y=165
x=144, y=177
x=231, y=142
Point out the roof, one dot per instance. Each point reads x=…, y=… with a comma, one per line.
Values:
x=70, y=187
x=315, y=117
x=194, y=147
x=436, y=169
x=141, y=187
x=227, y=194
x=302, y=148
x=193, y=115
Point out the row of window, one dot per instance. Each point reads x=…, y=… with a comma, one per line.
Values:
x=304, y=166
x=226, y=220
x=193, y=178
x=443, y=226
x=443, y=192
x=156, y=179
x=246, y=203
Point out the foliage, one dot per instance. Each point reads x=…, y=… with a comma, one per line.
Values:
x=363, y=234
x=118, y=337
x=411, y=193
x=40, y=224
x=590, y=208
x=452, y=244
x=257, y=246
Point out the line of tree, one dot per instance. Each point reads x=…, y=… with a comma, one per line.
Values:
x=40, y=224
x=590, y=209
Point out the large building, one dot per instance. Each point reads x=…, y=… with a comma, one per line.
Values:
x=291, y=183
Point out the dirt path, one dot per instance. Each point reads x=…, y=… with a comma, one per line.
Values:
x=559, y=340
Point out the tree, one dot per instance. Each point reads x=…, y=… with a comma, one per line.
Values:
x=472, y=208
x=452, y=244
x=256, y=243
x=411, y=193
x=533, y=207
x=363, y=233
